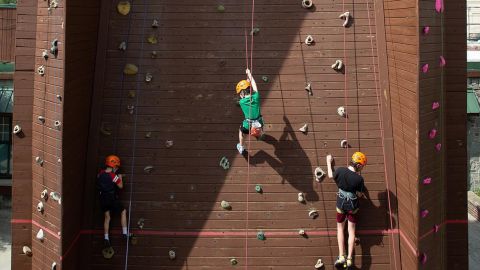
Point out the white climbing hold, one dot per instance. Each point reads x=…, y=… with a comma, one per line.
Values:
x=309, y=40
x=346, y=17
x=17, y=129
x=105, y=130
x=53, y=4
x=57, y=124
x=41, y=118
x=307, y=3
x=308, y=88
x=304, y=128
x=27, y=250
x=40, y=235
x=168, y=143
x=302, y=232
x=44, y=194
x=148, y=169
x=39, y=160
x=172, y=255
x=130, y=109
x=155, y=23
x=153, y=54
x=225, y=205
x=224, y=163
x=342, y=112
x=141, y=223
x=54, y=266
x=319, y=264
x=40, y=207
x=301, y=197
x=41, y=70
x=148, y=134
x=338, y=65
x=45, y=54
x=59, y=97
x=319, y=174
x=313, y=213
x=148, y=77
x=56, y=196
x=54, y=48
x=344, y=144
x=122, y=46
x=255, y=31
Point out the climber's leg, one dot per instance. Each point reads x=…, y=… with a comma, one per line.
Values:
x=351, y=238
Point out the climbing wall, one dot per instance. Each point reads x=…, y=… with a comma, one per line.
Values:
x=164, y=101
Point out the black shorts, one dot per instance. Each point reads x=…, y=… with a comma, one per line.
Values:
x=108, y=202
x=244, y=130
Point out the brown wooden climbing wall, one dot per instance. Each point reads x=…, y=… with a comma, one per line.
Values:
x=7, y=34
x=200, y=55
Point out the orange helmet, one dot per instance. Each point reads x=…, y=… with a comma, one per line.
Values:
x=112, y=161
x=359, y=158
x=242, y=85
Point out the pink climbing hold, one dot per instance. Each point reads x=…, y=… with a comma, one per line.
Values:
x=438, y=147
x=439, y=6
x=424, y=213
x=435, y=105
x=427, y=181
x=432, y=134
x=425, y=68
x=442, y=61
x=426, y=30
x=423, y=258
x=436, y=228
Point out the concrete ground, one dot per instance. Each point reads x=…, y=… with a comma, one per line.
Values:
x=5, y=233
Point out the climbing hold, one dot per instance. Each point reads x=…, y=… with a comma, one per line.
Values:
x=427, y=181
x=57, y=124
x=426, y=30
x=133, y=239
x=225, y=205
x=41, y=70
x=141, y=223
x=152, y=39
x=319, y=264
x=168, y=144
x=438, y=147
x=40, y=235
x=313, y=214
x=130, y=109
x=148, y=134
x=222, y=63
x=55, y=196
x=304, y=129
x=338, y=65
x=108, y=252
x=258, y=189
x=301, y=197
x=255, y=31
x=153, y=54
x=224, y=163
x=436, y=228
x=424, y=213
x=17, y=130
x=261, y=235
x=435, y=105
x=40, y=207
x=439, y=6
x=309, y=40
x=346, y=17
x=148, y=77
x=356, y=241
x=54, y=48
x=432, y=134
x=123, y=7
x=130, y=69
x=344, y=144
x=148, y=169
x=54, y=266
x=172, y=255
x=45, y=54
x=44, y=194
x=308, y=88
x=425, y=68
x=122, y=46
x=307, y=3
x=59, y=97
x=41, y=118
x=221, y=8
x=131, y=94
x=423, y=258
x=233, y=261
x=319, y=174
x=53, y=4
x=59, y=160
x=265, y=78
x=342, y=112
x=442, y=61
x=39, y=160
x=27, y=251
x=155, y=23
x=105, y=130
x=302, y=232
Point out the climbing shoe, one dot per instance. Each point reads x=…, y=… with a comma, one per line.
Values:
x=340, y=262
x=106, y=243
x=349, y=262
x=240, y=148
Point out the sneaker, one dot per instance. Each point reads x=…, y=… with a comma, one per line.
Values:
x=349, y=262
x=340, y=261
x=106, y=243
x=240, y=148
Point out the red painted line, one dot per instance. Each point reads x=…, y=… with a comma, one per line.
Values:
x=452, y=221
x=70, y=247
x=28, y=221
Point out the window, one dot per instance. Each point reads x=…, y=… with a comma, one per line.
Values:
x=8, y=3
x=6, y=106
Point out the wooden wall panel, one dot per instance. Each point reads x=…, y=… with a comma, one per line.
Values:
x=8, y=19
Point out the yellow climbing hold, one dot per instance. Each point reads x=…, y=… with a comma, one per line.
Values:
x=123, y=7
x=152, y=39
x=130, y=69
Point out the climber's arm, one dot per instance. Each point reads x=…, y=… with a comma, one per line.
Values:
x=330, y=166
x=252, y=80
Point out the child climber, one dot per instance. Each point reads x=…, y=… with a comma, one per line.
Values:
x=350, y=187
x=250, y=104
x=108, y=184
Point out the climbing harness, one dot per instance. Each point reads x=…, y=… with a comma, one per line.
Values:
x=347, y=198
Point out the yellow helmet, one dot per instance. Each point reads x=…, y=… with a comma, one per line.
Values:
x=359, y=158
x=242, y=85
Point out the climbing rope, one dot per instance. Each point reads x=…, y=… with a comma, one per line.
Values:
x=382, y=133
x=345, y=84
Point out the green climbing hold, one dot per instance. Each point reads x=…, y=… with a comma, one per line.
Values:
x=224, y=163
x=255, y=31
x=233, y=261
x=265, y=78
x=221, y=8
x=258, y=189
x=260, y=235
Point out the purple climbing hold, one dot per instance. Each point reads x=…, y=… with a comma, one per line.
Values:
x=432, y=134
x=423, y=258
x=436, y=228
x=425, y=68
x=426, y=30
x=424, y=213
x=435, y=105
x=442, y=61
x=439, y=6
x=427, y=181
x=438, y=147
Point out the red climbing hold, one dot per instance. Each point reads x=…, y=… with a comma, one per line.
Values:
x=438, y=147
x=439, y=6
x=432, y=134
x=425, y=68
x=435, y=105
x=423, y=258
x=426, y=30
x=442, y=61
x=424, y=213
x=427, y=181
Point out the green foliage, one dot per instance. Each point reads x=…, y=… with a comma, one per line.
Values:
x=477, y=191
x=3, y=2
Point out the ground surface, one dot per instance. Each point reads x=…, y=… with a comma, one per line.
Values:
x=5, y=234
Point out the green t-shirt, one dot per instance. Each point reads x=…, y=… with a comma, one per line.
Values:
x=251, y=106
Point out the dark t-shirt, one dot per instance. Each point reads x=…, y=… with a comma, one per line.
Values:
x=105, y=182
x=348, y=180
